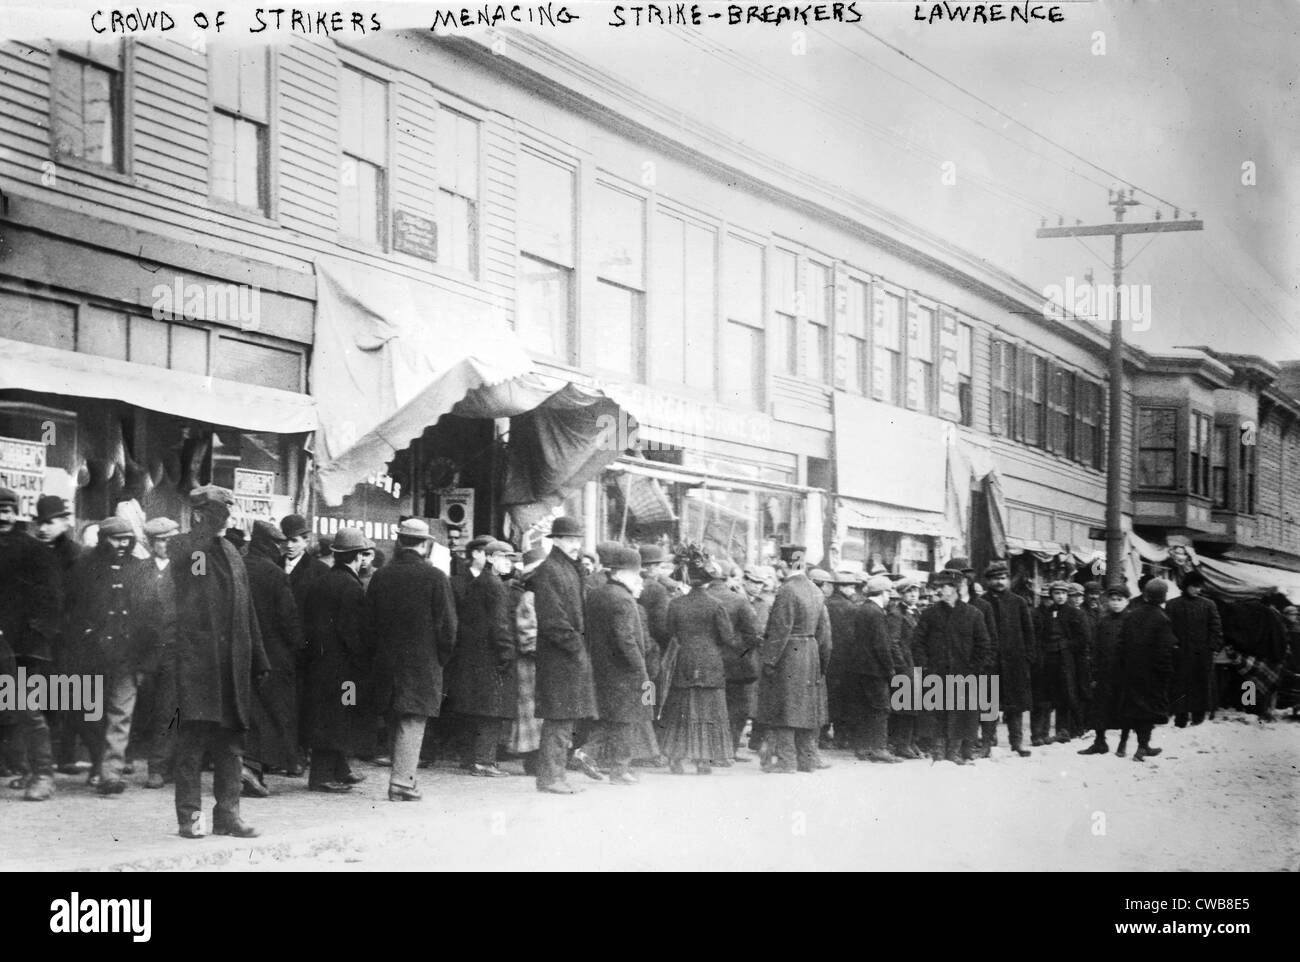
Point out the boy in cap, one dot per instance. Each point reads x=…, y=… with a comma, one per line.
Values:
x=1101, y=706
x=1061, y=634
x=1144, y=666
x=156, y=706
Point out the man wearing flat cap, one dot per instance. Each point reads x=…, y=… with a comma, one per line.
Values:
x=273, y=738
x=479, y=674
x=1200, y=635
x=1061, y=635
x=904, y=615
x=1017, y=652
x=411, y=619
x=1144, y=666
x=624, y=697
x=796, y=646
x=654, y=598
x=219, y=655
x=156, y=606
x=842, y=611
x=303, y=569
x=338, y=664
x=30, y=604
x=866, y=654
x=988, y=729
x=1101, y=713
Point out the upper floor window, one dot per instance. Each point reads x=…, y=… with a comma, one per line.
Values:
x=1157, y=447
x=1219, y=455
x=614, y=330
x=1088, y=447
x=856, y=325
x=743, y=364
x=1060, y=419
x=1002, y=362
x=1246, y=461
x=920, y=359
x=238, y=79
x=965, y=373
x=363, y=162
x=785, y=271
x=821, y=305
x=887, y=349
x=683, y=298
x=86, y=104
x=544, y=310
x=458, y=190
x=1199, y=434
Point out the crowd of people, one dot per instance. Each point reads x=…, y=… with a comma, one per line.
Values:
x=280, y=656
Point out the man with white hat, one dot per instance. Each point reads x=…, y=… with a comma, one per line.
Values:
x=156, y=707
x=867, y=666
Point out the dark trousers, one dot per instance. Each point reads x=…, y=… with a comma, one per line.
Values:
x=163, y=718
x=618, y=746
x=484, y=735
x=553, y=756
x=957, y=729
x=740, y=697
x=1143, y=733
x=902, y=730
x=1015, y=727
x=31, y=748
x=327, y=765
x=989, y=733
x=1052, y=692
x=227, y=750
x=793, y=748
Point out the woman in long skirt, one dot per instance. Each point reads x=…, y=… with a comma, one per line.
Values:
x=695, y=711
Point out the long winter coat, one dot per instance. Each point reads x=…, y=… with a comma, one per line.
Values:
x=617, y=640
x=155, y=620
x=30, y=596
x=565, y=688
x=796, y=646
x=101, y=630
x=411, y=621
x=1017, y=651
x=952, y=640
x=218, y=641
x=1144, y=665
x=273, y=739
x=1200, y=634
x=1102, y=708
x=338, y=659
x=843, y=615
x=1074, y=652
x=700, y=624
x=479, y=676
x=739, y=661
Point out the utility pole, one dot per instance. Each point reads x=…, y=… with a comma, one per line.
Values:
x=1115, y=420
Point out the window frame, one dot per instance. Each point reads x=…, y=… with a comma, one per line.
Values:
x=733, y=233
x=1175, y=448
x=898, y=358
x=448, y=104
x=659, y=205
x=929, y=396
x=639, y=360
x=386, y=191
x=124, y=69
x=573, y=332
x=267, y=162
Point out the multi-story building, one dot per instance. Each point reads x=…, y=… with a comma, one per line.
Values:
x=210, y=253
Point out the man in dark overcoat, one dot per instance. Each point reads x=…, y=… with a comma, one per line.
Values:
x=616, y=638
x=338, y=659
x=952, y=639
x=566, y=692
x=304, y=569
x=1200, y=635
x=273, y=739
x=988, y=728
x=739, y=663
x=1105, y=639
x=55, y=528
x=218, y=654
x=842, y=611
x=903, y=615
x=411, y=620
x=479, y=672
x=31, y=601
x=1017, y=652
x=866, y=655
x=156, y=708
x=653, y=600
x=1061, y=634
x=796, y=646
x=1144, y=666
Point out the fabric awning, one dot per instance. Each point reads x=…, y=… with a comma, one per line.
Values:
x=885, y=517
x=213, y=400
x=1042, y=550
x=1238, y=580
x=392, y=355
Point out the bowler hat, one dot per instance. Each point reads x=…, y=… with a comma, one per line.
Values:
x=351, y=539
x=212, y=494
x=293, y=526
x=651, y=554
x=8, y=496
x=160, y=528
x=948, y=576
x=51, y=506
x=960, y=564
x=566, y=527
x=1156, y=591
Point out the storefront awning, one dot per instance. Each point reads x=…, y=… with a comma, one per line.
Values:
x=213, y=400
x=1042, y=550
x=884, y=517
x=392, y=356
x=1238, y=581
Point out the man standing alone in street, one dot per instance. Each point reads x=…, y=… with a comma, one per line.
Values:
x=411, y=620
x=218, y=653
x=1200, y=634
x=566, y=693
x=1016, y=654
x=1144, y=665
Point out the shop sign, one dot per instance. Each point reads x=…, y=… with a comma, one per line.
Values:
x=684, y=421
x=254, y=493
x=22, y=469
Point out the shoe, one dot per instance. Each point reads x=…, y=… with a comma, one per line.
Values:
x=781, y=770
x=1121, y=752
x=1021, y=750
x=128, y=768
x=1096, y=748
x=383, y=761
x=252, y=788
x=19, y=783
x=295, y=771
x=985, y=751
x=111, y=786
x=353, y=778
x=403, y=793
x=677, y=768
x=878, y=755
x=1061, y=738
x=154, y=781
x=587, y=766
x=189, y=831
x=1036, y=742
x=40, y=789
x=703, y=769
x=559, y=788
x=910, y=751
x=626, y=778
x=821, y=764
x=333, y=788
x=1180, y=721
x=488, y=771
x=954, y=757
x=1147, y=752
x=93, y=779
x=235, y=827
